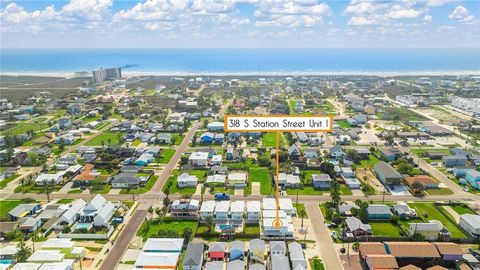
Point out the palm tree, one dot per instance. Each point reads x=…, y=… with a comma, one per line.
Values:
x=417, y=187
x=23, y=251
x=209, y=221
x=302, y=214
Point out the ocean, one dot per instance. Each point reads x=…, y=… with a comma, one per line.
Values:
x=242, y=61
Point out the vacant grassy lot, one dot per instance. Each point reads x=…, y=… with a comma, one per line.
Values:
x=344, y=190
x=385, y=229
x=178, y=226
x=262, y=176
x=462, y=209
x=165, y=156
x=6, y=206
x=433, y=213
x=370, y=162
x=7, y=180
x=107, y=138
x=252, y=229
x=306, y=190
x=343, y=124
x=269, y=139
x=301, y=206
x=401, y=114
x=439, y=191
x=21, y=128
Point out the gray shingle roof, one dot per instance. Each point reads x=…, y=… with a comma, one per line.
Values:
x=194, y=254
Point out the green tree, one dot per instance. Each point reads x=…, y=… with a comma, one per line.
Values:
x=23, y=251
x=209, y=222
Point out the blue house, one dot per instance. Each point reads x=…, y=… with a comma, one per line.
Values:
x=461, y=171
x=473, y=178
x=237, y=250
x=379, y=211
x=452, y=161
x=207, y=137
x=144, y=159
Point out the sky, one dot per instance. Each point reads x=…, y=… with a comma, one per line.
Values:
x=240, y=24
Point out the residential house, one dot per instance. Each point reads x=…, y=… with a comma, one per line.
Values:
x=449, y=251
x=215, y=180
x=453, y=161
x=215, y=127
x=390, y=154
x=371, y=248
x=471, y=224
x=473, y=178
x=257, y=250
x=185, y=208
x=279, y=262
x=381, y=262
x=193, y=259
x=187, y=180
x=431, y=230
x=321, y=181
x=207, y=209
x=237, y=250
x=336, y=152
x=461, y=171
x=214, y=265
x=296, y=256
x=379, y=211
x=163, y=245
x=412, y=250
x=253, y=211
x=356, y=227
x=73, y=213
x=49, y=178
x=426, y=181
x=403, y=211
x=288, y=180
x=237, y=179
x=232, y=154
x=164, y=138
x=157, y=260
x=144, y=159
x=278, y=248
x=198, y=159
x=24, y=210
x=222, y=210
x=207, y=137
x=294, y=152
x=387, y=174
x=217, y=251
x=128, y=180
x=237, y=209
x=346, y=209
x=30, y=225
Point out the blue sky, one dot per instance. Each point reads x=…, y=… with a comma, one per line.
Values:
x=239, y=24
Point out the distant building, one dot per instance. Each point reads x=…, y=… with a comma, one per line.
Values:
x=101, y=75
x=387, y=174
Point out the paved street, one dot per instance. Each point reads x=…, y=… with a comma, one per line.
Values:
x=322, y=236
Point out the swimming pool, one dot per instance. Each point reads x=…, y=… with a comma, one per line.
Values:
x=6, y=261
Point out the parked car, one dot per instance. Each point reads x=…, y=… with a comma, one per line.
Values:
x=222, y=197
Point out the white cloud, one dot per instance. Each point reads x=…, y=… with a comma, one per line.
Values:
x=303, y=13
x=360, y=21
x=398, y=12
x=438, y=3
x=427, y=18
x=461, y=14
x=360, y=8
x=151, y=10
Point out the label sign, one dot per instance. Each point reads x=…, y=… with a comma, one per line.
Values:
x=278, y=123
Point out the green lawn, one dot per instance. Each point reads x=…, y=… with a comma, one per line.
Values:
x=141, y=190
x=439, y=191
x=165, y=156
x=21, y=128
x=6, y=206
x=324, y=212
x=433, y=213
x=105, y=136
x=402, y=114
x=65, y=201
x=167, y=225
x=344, y=190
x=75, y=191
x=252, y=229
x=343, y=124
x=174, y=189
x=462, y=209
x=136, y=142
x=269, y=139
x=7, y=180
x=385, y=229
x=178, y=138
x=101, y=189
x=306, y=190
x=262, y=176
x=370, y=162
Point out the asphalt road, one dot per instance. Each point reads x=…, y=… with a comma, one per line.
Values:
x=147, y=199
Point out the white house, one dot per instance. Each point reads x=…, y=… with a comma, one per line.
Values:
x=237, y=179
x=187, y=180
x=216, y=179
x=72, y=214
x=253, y=211
x=199, y=159
x=48, y=255
x=157, y=260
x=51, y=178
x=104, y=215
x=222, y=209
x=216, y=160
x=237, y=209
x=207, y=209
x=296, y=256
x=471, y=224
x=163, y=245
